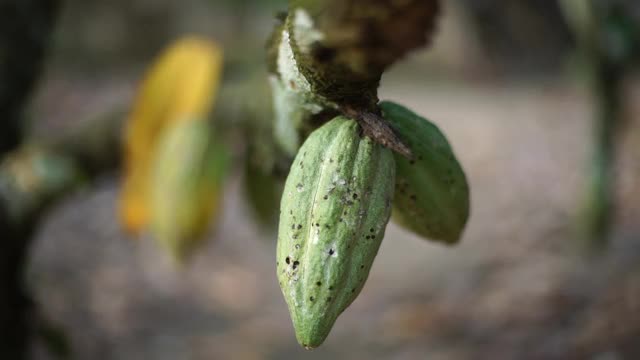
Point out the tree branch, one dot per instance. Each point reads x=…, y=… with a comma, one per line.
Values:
x=329, y=55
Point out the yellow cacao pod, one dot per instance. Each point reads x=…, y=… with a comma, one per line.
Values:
x=180, y=86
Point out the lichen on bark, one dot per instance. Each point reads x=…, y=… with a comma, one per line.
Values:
x=329, y=55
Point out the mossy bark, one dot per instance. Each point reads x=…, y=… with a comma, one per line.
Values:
x=331, y=54
x=357, y=41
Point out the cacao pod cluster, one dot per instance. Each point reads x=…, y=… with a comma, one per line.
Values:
x=325, y=61
x=174, y=165
x=337, y=201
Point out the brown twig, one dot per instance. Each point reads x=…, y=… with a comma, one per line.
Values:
x=377, y=128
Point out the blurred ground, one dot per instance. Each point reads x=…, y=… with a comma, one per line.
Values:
x=516, y=288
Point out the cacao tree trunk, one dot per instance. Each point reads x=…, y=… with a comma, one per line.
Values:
x=25, y=28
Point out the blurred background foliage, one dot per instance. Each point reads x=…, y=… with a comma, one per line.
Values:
x=532, y=104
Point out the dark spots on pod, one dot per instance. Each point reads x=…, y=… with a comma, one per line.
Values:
x=295, y=264
x=326, y=197
x=411, y=162
x=413, y=197
x=344, y=213
x=318, y=225
x=340, y=220
x=361, y=266
x=297, y=246
x=293, y=227
x=372, y=230
x=319, y=283
x=353, y=290
x=299, y=226
x=311, y=298
x=277, y=263
x=327, y=226
x=295, y=237
x=290, y=212
x=331, y=252
x=287, y=260
x=331, y=160
x=367, y=237
x=355, y=196
x=331, y=287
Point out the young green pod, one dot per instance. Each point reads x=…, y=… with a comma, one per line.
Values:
x=262, y=190
x=432, y=194
x=333, y=214
x=186, y=188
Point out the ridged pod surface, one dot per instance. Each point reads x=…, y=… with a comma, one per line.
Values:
x=186, y=187
x=334, y=211
x=432, y=194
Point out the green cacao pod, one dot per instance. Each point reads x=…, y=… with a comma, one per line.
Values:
x=262, y=190
x=333, y=214
x=432, y=194
x=186, y=188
